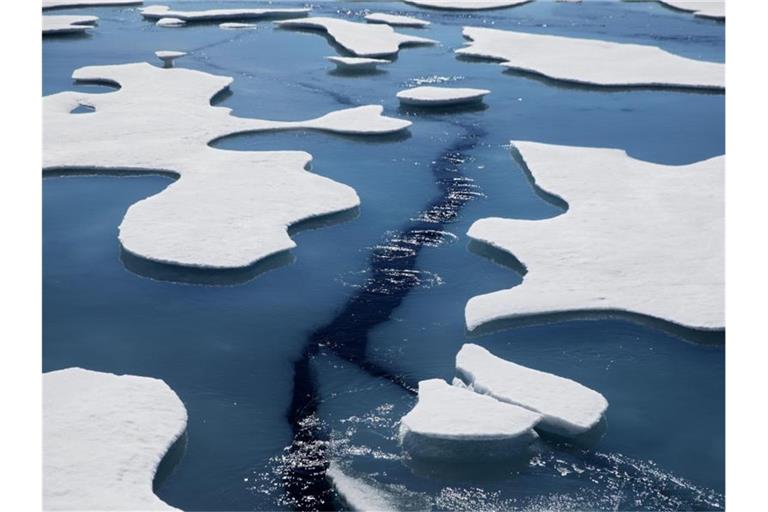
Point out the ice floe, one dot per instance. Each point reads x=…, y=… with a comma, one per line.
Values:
x=53, y=4
x=590, y=61
x=235, y=25
x=568, y=409
x=637, y=237
x=228, y=209
x=713, y=9
x=356, y=63
x=362, y=39
x=71, y=24
x=466, y=5
x=396, y=20
x=357, y=494
x=104, y=436
x=453, y=422
x=154, y=12
x=426, y=96
x=168, y=56
x=170, y=22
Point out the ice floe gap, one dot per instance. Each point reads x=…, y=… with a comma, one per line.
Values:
x=396, y=20
x=54, y=4
x=592, y=62
x=638, y=238
x=431, y=96
x=361, y=39
x=104, y=438
x=712, y=9
x=466, y=5
x=68, y=24
x=155, y=12
x=229, y=209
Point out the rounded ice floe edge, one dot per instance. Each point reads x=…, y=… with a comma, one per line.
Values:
x=170, y=22
x=440, y=96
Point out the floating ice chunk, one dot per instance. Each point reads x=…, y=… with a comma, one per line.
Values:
x=357, y=494
x=170, y=22
x=567, y=408
x=104, y=436
x=235, y=25
x=637, y=237
x=466, y=5
x=593, y=62
x=429, y=96
x=452, y=422
x=154, y=12
x=713, y=9
x=75, y=24
x=356, y=63
x=53, y=4
x=362, y=39
x=168, y=56
x=395, y=20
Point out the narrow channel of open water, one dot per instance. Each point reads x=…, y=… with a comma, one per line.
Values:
x=231, y=352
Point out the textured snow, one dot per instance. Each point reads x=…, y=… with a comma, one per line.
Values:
x=103, y=438
x=567, y=407
x=168, y=56
x=162, y=11
x=52, y=4
x=637, y=237
x=466, y=5
x=450, y=421
x=357, y=494
x=593, y=62
x=362, y=39
x=235, y=25
x=67, y=24
x=396, y=20
x=440, y=96
x=714, y=9
x=170, y=22
x=229, y=209
x=356, y=63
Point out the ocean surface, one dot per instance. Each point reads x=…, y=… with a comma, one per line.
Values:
x=315, y=360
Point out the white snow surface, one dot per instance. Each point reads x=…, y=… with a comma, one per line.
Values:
x=228, y=209
x=713, y=9
x=162, y=11
x=356, y=493
x=396, y=20
x=593, y=62
x=567, y=407
x=637, y=237
x=362, y=39
x=170, y=22
x=52, y=4
x=103, y=438
x=67, y=24
x=440, y=96
x=466, y=5
x=234, y=25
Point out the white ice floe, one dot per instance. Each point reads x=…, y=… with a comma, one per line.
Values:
x=567, y=408
x=170, y=22
x=356, y=63
x=104, y=436
x=168, y=56
x=74, y=24
x=453, y=422
x=590, y=61
x=466, y=5
x=429, y=96
x=362, y=39
x=396, y=20
x=228, y=209
x=235, y=25
x=713, y=9
x=52, y=4
x=637, y=237
x=154, y=12
x=357, y=494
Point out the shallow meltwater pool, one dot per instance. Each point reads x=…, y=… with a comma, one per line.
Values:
x=299, y=372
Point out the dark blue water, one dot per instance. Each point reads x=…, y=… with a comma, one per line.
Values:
x=231, y=352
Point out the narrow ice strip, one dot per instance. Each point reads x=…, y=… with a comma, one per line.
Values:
x=104, y=436
x=466, y=5
x=637, y=237
x=712, y=9
x=453, y=422
x=592, y=62
x=235, y=25
x=362, y=39
x=53, y=4
x=168, y=56
x=567, y=408
x=356, y=63
x=426, y=96
x=76, y=24
x=396, y=20
x=357, y=494
x=170, y=22
x=154, y=12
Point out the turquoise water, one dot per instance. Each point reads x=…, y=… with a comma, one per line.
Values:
x=231, y=352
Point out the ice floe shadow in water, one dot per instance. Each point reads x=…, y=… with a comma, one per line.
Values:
x=170, y=461
x=469, y=106
x=356, y=73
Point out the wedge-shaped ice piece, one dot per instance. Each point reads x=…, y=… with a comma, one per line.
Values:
x=426, y=96
x=568, y=409
x=395, y=20
x=453, y=422
x=104, y=436
x=63, y=24
x=466, y=5
x=713, y=9
x=154, y=12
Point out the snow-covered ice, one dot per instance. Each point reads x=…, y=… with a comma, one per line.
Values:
x=53, y=4
x=168, y=56
x=104, y=436
x=591, y=61
x=228, y=209
x=154, y=12
x=637, y=237
x=396, y=20
x=170, y=22
x=356, y=63
x=567, y=408
x=453, y=422
x=67, y=24
x=466, y=5
x=232, y=25
x=426, y=96
x=713, y=9
x=357, y=494
x=362, y=39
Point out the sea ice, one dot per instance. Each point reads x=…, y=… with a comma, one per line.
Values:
x=356, y=63
x=590, y=61
x=170, y=22
x=53, y=4
x=362, y=39
x=713, y=9
x=154, y=12
x=395, y=20
x=453, y=422
x=568, y=409
x=429, y=96
x=168, y=56
x=466, y=5
x=228, y=209
x=637, y=237
x=72, y=24
x=235, y=25
x=357, y=494
x=104, y=436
